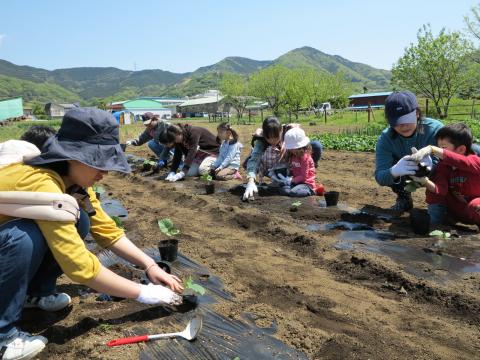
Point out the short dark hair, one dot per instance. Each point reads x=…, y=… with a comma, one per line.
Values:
x=458, y=134
x=168, y=136
x=38, y=135
x=271, y=127
x=60, y=167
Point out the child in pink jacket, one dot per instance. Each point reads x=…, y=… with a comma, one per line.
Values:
x=301, y=181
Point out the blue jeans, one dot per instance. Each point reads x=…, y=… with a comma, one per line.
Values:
x=158, y=148
x=300, y=190
x=317, y=149
x=27, y=266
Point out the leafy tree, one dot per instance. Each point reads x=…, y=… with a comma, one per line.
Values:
x=473, y=26
x=295, y=90
x=437, y=67
x=269, y=84
x=235, y=89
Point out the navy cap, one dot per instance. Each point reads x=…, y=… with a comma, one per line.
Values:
x=88, y=135
x=401, y=108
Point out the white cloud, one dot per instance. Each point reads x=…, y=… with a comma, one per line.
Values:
x=2, y=37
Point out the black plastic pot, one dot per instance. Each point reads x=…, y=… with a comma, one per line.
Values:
x=124, y=147
x=147, y=167
x=210, y=188
x=164, y=266
x=420, y=221
x=189, y=302
x=422, y=171
x=98, y=195
x=293, y=208
x=168, y=249
x=331, y=198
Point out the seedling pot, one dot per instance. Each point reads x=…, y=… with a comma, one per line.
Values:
x=210, y=188
x=293, y=208
x=168, y=249
x=331, y=198
x=124, y=147
x=282, y=171
x=164, y=266
x=420, y=221
x=189, y=302
x=422, y=171
x=147, y=167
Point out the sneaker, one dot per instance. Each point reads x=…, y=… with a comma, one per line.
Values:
x=52, y=302
x=402, y=204
x=21, y=346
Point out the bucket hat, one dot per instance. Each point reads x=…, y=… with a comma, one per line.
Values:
x=295, y=139
x=88, y=135
x=148, y=117
x=401, y=108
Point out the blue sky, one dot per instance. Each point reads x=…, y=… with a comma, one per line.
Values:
x=181, y=36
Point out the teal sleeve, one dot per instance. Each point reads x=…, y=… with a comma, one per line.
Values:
x=255, y=157
x=384, y=160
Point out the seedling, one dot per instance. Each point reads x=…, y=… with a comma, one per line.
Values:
x=149, y=162
x=207, y=178
x=294, y=206
x=118, y=222
x=411, y=186
x=98, y=189
x=188, y=284
x=167, y=227
x=440, y=234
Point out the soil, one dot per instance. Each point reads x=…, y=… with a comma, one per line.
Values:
x=326, y=302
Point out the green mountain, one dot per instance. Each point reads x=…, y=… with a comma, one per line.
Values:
x=364, y=75
x=88, y=83
x=11, y=87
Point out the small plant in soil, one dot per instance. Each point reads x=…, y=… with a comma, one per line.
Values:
x=441, y=234
x=191, y=288
x=118, y=222
x=148, y=164
x=167, y=227
x=207, y=178
x=295, y=205
x=98, y=190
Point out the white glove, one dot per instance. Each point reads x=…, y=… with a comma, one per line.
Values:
x=179, y=176
x=155, y=294
x=170, y=176
x=250, y=190
x=285, y=180
x=419, y=155
x=404, y=166
x=128, y=142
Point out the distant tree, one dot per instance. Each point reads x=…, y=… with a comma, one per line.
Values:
x=473, y=26
x=235, y=89
x=100, y=103
x=436, y=67
x=296, y=88
x=38, y=110
x=269, y=84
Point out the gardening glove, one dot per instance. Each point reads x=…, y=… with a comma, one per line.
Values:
x=273, y=177
x=404, y=166
x=179, y=176
x=170, y=176
x=161, y=164
x=426, y=160
x=285, y=180
x=250, y=190
x=158, y=294
x=419, y=155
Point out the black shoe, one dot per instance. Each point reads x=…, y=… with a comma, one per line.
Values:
x=403, y=204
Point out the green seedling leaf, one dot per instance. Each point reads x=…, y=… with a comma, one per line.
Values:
x=166, y=226
x=149, y=162
x=436, y=233
x=206, y=177
x=297, y=203
x=446, y=235
x=411, y=186
x=118, y=222
x=189, y=284
x=98, y=189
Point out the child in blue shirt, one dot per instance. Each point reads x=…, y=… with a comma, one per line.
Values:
x=228, y=161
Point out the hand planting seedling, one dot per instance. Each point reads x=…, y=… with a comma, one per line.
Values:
x=167, y=227
x=294, y=206
x=118, y=222
x=191, y=287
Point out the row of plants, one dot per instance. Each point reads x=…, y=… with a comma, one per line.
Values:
x=346, y=142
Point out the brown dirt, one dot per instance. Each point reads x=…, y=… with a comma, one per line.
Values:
x=328, y=303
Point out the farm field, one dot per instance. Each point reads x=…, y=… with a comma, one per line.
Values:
x=351, y=281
